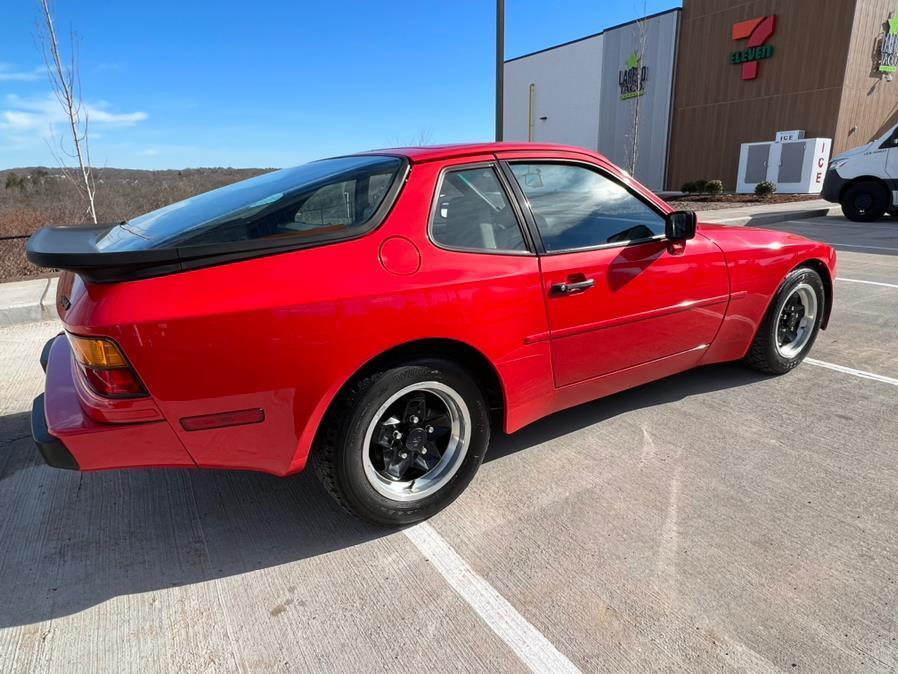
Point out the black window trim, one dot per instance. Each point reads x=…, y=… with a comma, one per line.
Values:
x=509, y=197
x=528, y=209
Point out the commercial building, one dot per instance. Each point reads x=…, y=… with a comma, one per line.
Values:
x=609, y=91
x=686, y=88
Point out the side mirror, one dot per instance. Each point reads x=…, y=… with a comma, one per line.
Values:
x=680, y=225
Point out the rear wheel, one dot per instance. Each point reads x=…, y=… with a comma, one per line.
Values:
x=402, y=444
x=865, y=201
x=790, y=327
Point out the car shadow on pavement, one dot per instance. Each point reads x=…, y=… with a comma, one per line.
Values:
x=693, y=382
x=70, y=541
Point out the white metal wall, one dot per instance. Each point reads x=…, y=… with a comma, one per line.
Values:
x=616, y=116
x=567, y=83
x=578, y=92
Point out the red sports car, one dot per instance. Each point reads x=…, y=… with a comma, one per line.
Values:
x=383, y=313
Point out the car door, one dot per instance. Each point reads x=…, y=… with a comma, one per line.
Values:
x=618, y=294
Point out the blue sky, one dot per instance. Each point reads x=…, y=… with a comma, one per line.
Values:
x=274, y=82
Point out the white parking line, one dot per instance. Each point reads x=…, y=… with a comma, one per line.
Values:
x=822, y=221
x=527, y=642
x=850, y=370
x=851, y=245
x=870, y=283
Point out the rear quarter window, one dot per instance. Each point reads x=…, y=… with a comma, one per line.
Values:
x=473, y=213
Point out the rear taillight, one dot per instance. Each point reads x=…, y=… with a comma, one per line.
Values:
x=105, y=368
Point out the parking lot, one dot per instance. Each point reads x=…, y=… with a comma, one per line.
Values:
x=719, y=519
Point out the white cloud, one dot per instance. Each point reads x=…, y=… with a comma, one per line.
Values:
x=165, y=149
x=100, y=116
x=9, y=73
x=40, y=116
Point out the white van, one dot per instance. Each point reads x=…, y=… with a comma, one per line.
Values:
x=864, y=181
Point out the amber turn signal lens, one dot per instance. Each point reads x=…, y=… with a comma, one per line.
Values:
x=104, y=367
x=97, y=352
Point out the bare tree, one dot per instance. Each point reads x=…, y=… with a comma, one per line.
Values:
x=66, y=85
x=640, y=28
x=424, y=136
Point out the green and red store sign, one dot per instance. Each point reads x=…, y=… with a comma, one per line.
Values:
x=888, y=50
x=757, y=31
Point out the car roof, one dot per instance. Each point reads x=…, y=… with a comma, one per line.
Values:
x=434, y=152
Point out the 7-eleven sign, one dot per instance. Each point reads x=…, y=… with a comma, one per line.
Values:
x=757, y=31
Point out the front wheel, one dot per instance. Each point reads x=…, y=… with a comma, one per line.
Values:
x=790, y=327
x=402, y=444
x=865, y=201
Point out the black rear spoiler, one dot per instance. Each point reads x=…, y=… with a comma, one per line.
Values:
x=74, y=248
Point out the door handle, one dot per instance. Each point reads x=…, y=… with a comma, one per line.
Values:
x=572, y=288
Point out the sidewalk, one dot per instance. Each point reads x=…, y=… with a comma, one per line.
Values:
x=27, y=301
x=758, y=216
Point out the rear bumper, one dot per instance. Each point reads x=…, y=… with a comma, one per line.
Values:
x=67, y=437
x=45, y=352
x=51, y=448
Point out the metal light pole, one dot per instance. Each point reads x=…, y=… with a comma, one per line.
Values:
x=500, y=64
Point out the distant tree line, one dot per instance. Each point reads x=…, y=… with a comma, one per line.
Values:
x=36, y=196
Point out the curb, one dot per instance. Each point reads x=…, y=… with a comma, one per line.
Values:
x=28, y=301
x=761, y=219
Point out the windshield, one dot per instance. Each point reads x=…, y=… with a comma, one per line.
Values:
x=331, y=198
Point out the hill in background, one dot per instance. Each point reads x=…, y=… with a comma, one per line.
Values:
x=34, y=196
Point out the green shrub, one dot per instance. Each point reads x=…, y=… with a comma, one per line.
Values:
x=765, y=188
x=701, y=186
x=714, y=187
x=689, y=188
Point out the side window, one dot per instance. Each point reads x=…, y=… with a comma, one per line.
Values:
x=576, y=207
x=472, y=212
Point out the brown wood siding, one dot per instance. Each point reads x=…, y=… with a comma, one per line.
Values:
x=869, y=102
x=799, y=87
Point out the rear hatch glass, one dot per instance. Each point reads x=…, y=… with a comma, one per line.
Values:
x=331, y=198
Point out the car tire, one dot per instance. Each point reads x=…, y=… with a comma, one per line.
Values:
x=865, y=201
x=788, y=332
x=375, y=422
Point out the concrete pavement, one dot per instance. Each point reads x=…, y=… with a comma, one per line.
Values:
x=715, y=520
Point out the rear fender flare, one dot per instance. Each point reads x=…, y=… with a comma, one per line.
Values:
x=481, y=368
